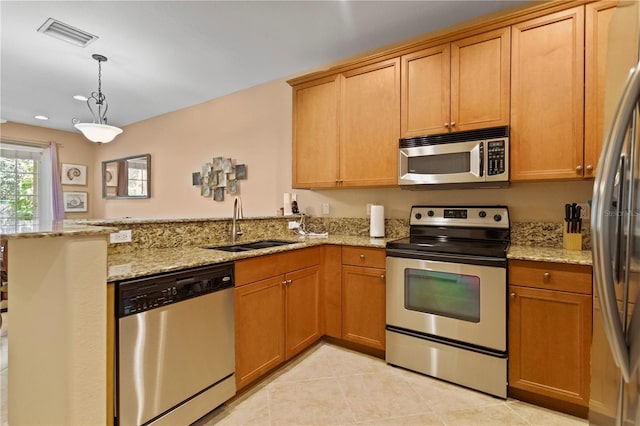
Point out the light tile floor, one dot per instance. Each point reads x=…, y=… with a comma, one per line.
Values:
x=330, y=385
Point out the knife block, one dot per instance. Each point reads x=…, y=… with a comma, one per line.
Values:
x=571, y=241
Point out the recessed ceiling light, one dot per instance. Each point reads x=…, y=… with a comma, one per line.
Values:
x=80, y=98
x=41, y=117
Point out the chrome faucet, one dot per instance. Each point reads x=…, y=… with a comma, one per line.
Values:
x=237, y=215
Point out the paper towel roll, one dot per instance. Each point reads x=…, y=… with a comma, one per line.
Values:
x=287, y=203
x=377, y=221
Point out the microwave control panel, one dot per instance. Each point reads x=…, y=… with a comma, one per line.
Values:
x=496, y=154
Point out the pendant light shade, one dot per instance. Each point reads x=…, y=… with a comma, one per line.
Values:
x=101, y=133
x=98, y=131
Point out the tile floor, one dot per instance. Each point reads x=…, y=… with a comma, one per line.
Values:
x=330, y=385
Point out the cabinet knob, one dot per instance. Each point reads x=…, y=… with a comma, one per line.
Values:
x=446, y=125
x=589, y=168
x=579, y=168
x=362, y=257
x=452, y=124
x=382, y=277
x=513, y=295
x=284, y=282
x=289, y=282
x=546, y=276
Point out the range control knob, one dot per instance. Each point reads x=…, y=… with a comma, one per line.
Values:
x=482, y=213
x=418, y=216
x=497, y=218
x=430, y=213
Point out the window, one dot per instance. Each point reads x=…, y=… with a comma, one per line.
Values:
x=25, y=185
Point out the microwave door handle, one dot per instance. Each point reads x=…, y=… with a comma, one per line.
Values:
x=482, y=155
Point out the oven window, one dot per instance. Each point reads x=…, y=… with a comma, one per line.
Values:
x=441, y=293
x=440, y=164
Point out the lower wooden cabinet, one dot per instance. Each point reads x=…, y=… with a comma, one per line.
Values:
x=278, y=316
x=363, y=296
x=550, y=326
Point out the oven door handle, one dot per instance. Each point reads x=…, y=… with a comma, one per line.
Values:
x=482, y=154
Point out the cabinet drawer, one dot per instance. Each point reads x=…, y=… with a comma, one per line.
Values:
x=261, y=267
x=551, y=276
x=363, y=256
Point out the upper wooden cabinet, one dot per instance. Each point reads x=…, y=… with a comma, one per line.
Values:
x=598, y=16
x=547, y=99
x=455, y=86
x=346, y=128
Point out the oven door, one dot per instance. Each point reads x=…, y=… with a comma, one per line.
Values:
x=457, y=302
x=460, y=162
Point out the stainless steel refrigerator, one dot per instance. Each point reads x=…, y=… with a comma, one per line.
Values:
x=615, y=228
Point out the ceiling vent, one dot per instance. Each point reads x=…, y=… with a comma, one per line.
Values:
x=67, y=33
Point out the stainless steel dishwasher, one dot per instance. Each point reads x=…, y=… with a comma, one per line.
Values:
x=175, y=346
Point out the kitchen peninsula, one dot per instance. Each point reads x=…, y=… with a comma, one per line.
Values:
x=58, y=347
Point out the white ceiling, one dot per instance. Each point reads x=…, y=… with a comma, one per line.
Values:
x=167, y=55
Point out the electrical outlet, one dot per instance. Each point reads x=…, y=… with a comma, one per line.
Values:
x=368, y=209
x=325, y=208
x=120, y=237
x=293, y=225
x=585, y=212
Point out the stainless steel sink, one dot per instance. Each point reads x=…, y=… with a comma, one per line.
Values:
x=251, y=246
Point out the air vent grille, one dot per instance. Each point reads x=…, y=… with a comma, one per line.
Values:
x=453, y=137
x=67, y=33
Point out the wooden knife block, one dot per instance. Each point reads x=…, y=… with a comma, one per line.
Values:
x=571, y=241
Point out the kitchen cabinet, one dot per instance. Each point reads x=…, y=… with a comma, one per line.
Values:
x=277, y=310
x=364, y=296
x=111, y=351
x=455, y=86
x=597, y=18
x=547, y=96
x=550, y=326
x=346, y=128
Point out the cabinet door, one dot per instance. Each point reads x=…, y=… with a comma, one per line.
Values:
x=315, y=134
x=598, y=16
x=302, y=309
x=547, y=72
x=426, y=91
x=549, y=342
x=370, y=125
x=480, y=81
x=259, y=311
x=363, y=306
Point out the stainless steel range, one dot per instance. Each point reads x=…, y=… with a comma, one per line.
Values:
x=447, y=296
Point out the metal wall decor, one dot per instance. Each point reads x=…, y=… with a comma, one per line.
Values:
x=218, y=177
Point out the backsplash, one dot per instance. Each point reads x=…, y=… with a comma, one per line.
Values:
x=544, y=234
x=171, y=233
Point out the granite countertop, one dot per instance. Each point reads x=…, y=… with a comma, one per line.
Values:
x=153, y=261
x=548, y=254
x=51, y=229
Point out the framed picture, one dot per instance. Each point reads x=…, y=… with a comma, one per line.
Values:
x=73, y=174
x=75, y=201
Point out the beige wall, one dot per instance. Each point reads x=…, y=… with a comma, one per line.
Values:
x=254, y=127
x=72, y=148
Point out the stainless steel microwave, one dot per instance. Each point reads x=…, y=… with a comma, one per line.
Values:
x=472, y=158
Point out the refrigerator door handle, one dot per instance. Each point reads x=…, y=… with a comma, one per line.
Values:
x=601, y=225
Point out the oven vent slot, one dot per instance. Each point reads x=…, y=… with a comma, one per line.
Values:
x=464, y=136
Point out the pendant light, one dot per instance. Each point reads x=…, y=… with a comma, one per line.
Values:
x=98, y=131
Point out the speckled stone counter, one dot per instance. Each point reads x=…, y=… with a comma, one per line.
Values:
x=549, y=254
x=152, y=261
x=51, y=229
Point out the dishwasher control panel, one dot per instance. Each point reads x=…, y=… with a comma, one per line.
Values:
x=140, y=295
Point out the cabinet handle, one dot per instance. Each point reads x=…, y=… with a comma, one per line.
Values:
x=362, y=257
x=546, y=276
x=513, y=295
x=446, y=125
x=382, y=277
x=453, y=124
x=289, y=282
x=284, y=283
x=578, y=168
x=589, y=168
